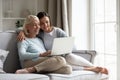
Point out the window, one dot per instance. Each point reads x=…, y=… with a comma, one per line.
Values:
x=104, y=34
x=80, y=23
x=94, y=27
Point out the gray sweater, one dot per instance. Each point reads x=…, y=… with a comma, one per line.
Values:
x=49, y=37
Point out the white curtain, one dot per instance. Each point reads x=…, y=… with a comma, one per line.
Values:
x=60, y=12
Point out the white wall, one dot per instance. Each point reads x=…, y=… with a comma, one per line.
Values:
x=42, y=5
x=18, y=8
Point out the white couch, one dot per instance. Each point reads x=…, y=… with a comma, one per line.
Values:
x=8, y=42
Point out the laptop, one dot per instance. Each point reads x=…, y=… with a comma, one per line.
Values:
x=62, y=45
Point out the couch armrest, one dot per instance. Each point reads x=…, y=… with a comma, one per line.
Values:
x=87, y=54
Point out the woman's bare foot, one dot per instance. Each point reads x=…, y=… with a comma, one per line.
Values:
x=97, y=69
x=92, y=68
x=26, y=70
x=22, y=71
x=104, y=71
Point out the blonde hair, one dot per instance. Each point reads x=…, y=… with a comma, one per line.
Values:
x=30, y=19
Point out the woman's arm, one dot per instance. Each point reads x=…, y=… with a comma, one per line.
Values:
x=24, y=54
x=21, y=36
x=60, y=33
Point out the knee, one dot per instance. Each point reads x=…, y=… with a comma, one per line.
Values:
x=61, y=60
x=67, y=69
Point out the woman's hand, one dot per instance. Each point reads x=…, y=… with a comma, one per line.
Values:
x=21, y=36
x=45, y=53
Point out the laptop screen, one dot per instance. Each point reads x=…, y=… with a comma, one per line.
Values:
x=62, y=45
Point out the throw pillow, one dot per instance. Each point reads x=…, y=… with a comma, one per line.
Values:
x=3, y=55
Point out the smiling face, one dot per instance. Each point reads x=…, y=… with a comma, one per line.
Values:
x=32, y=26
x=45, y=24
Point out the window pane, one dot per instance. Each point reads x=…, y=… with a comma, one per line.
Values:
x=99, y=10
x=110, y=10
x=99, y=38
x=110, y=38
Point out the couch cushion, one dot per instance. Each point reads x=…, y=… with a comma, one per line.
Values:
x=8, y=42
x=79, y=75
x=23, y=77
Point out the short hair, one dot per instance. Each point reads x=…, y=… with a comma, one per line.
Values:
x=29, y=19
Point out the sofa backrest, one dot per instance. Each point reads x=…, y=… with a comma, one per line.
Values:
x=8, y=42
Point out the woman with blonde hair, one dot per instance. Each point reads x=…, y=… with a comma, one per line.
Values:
x=48, y=32
x=32, y=54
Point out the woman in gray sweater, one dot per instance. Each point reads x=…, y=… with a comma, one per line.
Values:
x=49, y=32
x=33, y=55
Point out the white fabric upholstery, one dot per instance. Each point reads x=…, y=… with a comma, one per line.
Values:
x=23, y=77
x=79, y=75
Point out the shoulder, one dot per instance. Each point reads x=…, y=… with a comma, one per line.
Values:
x=24, y=42
x=57, y=28
x=60, y=32
x=39, y=39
